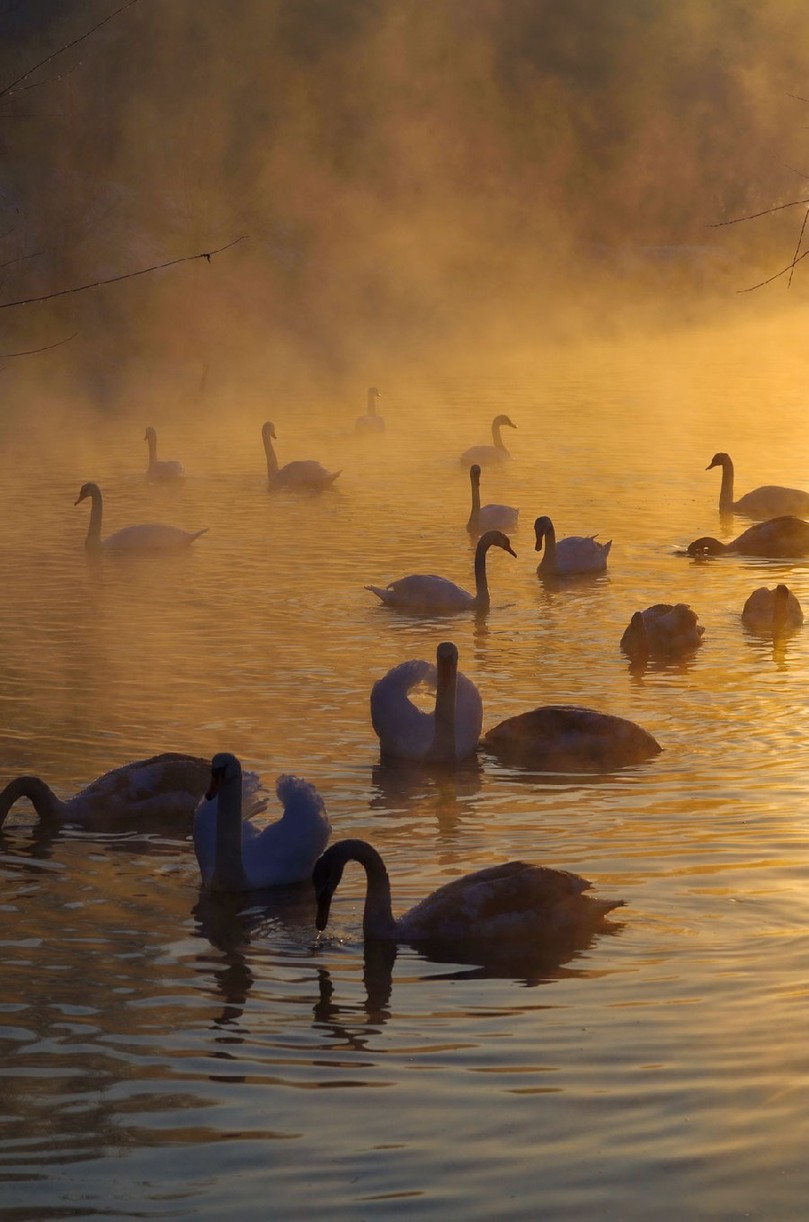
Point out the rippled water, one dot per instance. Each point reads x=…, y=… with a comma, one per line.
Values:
x=165, y=1057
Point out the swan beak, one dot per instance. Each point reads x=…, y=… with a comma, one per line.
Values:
x=711, y=465
x=323, y=909
x=511, y=551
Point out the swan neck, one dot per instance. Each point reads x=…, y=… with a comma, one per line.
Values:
x=40, y=795
x=482, y=601
x=474, y=516
x=549, y=543
x=779, y=611
x=496, y=438
x=444, y=746
x=152, y=443
x=726, y=488
x=269, y=450
x=228, y=870
x=377, y=917
x=371, y=403
x=94, y=529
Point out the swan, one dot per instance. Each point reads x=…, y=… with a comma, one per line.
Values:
x=168, y=786
x=663, y=628
x=575, y=554
x=508, y=903
x=303, y=473
x=166, y=468
x=146, y=536
x=234, y=855
x=425, y=592
x=779, y=537
x=488, y=517
x=371, y=422
x=772, y=611
x=448, y=734
x=567, y=738
x=768, y=501
x=493, y=453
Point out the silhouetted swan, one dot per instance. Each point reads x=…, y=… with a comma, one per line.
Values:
x=425, y=592
x=405, y=732
x=303, y=473
x=493, y=453
x=567, y=738
x=146, y=536
x=510, y=903
x=768, y=501
x=664, y=628
x=772, y=611
x=234, y=855
x=566, y=557
x=488, y=517
x=166, y=468
x=371, y=422
x=167, y=786
x=780, y=537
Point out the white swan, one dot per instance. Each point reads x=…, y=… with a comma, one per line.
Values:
x=506, y=904
x=302, y=473
x=146, y=536
x=234, y=855
x=782, y=537
x=496, y=452
x=167, y=786
x=488, y=517
x=568, y=738
x=426, y=592
x=371, y=422
x=772, y=611
x=448, y=734
x=768, y=501
x=566, y=557
x=166, y=468
x=664, y=628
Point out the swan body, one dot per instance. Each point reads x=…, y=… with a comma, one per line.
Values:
x=165, y=786
x=426, y=592
x=772, y=611
x=405, y=732
x=234, y=855
x=371, y=422
x=768, y=501
x=506, y=904
x=497, y=452
x=165, y=468
x=663, y=628
x=303, y=473
x=488, y=517
x=565, y=557
x=567, y=738
x=779, y=537
x=147, y=536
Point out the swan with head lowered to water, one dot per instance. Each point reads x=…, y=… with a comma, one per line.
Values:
x=510, y=904
x=768, y=501
x=234, y=855
x=165, y=468
x=569, y=738
x=574, y=555
x=496, y=452
x=147, y=536
x=427, y=593
x=302, y=473
x=783, y=538
x=371, y=422
x=488, y=517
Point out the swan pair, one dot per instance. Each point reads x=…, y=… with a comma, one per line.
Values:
x=768, y=501
x=147, y=536
x=160, y=469
x=302, y=473
x=783, y=537
x=424, y=592
x=371, y=422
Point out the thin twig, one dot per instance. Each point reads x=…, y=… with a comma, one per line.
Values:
x=754, y=215
x=770, y=279
x=4, y=356
x=81, y=288
x=797, y=248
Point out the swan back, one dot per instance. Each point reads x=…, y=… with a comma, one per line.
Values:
x=568, y=738
x=663, y=628
x=772, y=611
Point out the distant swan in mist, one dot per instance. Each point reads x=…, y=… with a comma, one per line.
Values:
x=234, y=855
x=783, y=538
x=509, y=904
x=768, y=501
x=482, y=455
x=488, y=517
x=166, y=468
x=425, y=592
x=405, y=732
x=772, y=612
x=663, y=629
x=146, y=536
x=566, y=557
x=167, y=786
x=371, y=422
x=303, y=473
x=568, y=738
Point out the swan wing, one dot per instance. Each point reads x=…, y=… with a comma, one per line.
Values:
x=284, y=852
x=581, y=554
x=168, y=785
x=305, y=473
x=772, y=500
x=568, y=738
x=497, y=517
x=483, y=456
x=150, y=536
x=782, y=536
x=166, y=468
x=424, y=592
x=403, y=730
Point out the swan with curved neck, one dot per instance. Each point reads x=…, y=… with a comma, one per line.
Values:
x=302, y=473
x=447, y=735
x=663, y=629
x=371, y=422
x=494, y=453
x=234, y=855
x=782, y=537
x=773, y=612
x=569, y=738
x=426, y=592
x=166, y=468
x=768, y=501
x=147, y=536
x=569, y=556
x=507, y=904
x=488, y=517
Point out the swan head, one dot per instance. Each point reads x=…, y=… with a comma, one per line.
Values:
x=719, y=460
x=268, y=430
x=446, y=658
x=503, y=420
x=373, y=393
x=150, y=434
x=86, y=490
x=541, y=527
x=706, y=546
x=224, y=768
x=495, y=538
x=474, y=473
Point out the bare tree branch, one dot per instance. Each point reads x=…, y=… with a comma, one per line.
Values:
x=770, y=279
x=4, y=356
x=798, y=248
x=754, y=215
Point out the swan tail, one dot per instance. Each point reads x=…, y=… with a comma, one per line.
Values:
x=196, y=534
x=382, y=595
